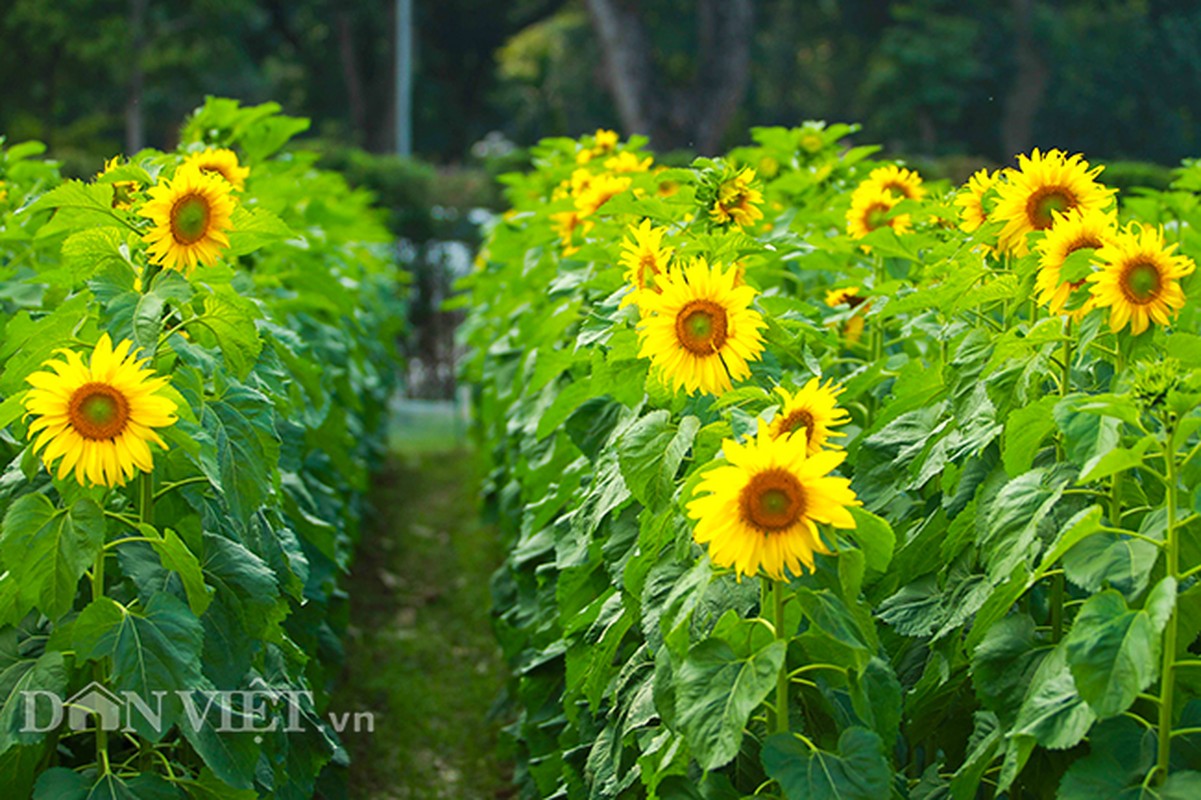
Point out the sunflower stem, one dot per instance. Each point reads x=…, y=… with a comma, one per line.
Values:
x=149, y=273
x=1168, y=674
x=782, y=680
x=1058, y=585
x=98, y=668
x=146, y=497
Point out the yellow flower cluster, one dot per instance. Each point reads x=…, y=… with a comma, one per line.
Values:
x=760, y=512
x=1056, y=200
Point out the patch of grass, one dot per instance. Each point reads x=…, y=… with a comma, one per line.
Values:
x=420, y=652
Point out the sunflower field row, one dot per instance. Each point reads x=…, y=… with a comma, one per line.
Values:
x=195, y=349
x=820, y=480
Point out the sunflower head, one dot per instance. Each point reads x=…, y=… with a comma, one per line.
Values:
x=606, y=140
x=1079, y=229
x=628, y=162
x=99, y=417
x=871, y=208
x=1043, y=184
x=191, y=214
x=596, y=191
x=971, y=199
x=810, y=414
x=699, y=330
x=124, y=192
x=1139, y=278
x=848, y=295
x=737, y=202
x=760, y=512
x=567, y=224
x=897, y=181
x=222, y=162
x=644, y=256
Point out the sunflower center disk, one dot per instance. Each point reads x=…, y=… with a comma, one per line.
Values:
x=876, y=216
x=98, y=411
x=701, y=327
x=190, y=219
x=800, y=419
x=773, y=501
x=1142, y=282
x=1045, y=201
x=646, y=268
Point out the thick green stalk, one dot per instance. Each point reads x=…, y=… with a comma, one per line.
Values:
x=146, y=497
x=102, y=761
x=1167, y=681
x=777, y=591
x=1058, y=588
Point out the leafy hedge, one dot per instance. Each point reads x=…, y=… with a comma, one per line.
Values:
x=1016, y=612
x=222, y=569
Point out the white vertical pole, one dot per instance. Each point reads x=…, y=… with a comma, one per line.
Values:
x=404, y=77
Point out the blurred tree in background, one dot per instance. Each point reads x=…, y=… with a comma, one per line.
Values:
x=1113, y=78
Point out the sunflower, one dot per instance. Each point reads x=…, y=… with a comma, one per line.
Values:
x=605, y=141
x=814, y=409
x=848, y=295
x=760, y=511
x=970, y=199
x=1041, y=185
x=598, y=191
x=1076, y=230
x=897, y=181
x=870, y=206
x=700, y=330
x=1137, y=281
x=99, y=418
x=628, y=162
x=736, y=201
x=191, y=214
x=644, y=256
x=221, y=162
x=124, y=192
x=566, y=224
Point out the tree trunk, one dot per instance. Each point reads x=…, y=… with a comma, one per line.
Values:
x=350, y=75
x=693, y=116
x=1029, y=85
x=135, y=134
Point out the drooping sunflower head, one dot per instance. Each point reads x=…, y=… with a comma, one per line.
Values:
x=897, y=181
x=1077, y=230
x=644, y=256
x=737, y=201
x=970, y=199
x=191, y=213
x=760, y=512
x=1139, y=278
x=628, y=162
x=1045, y=183
x=99, y=417
x=811, y=414
x=870, y=209
x=700, y=331
x=124, y=192
x=223, y=162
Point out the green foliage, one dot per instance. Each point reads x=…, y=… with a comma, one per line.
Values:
x=219, y=571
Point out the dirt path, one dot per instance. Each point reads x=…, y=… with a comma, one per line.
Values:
x=420, y=652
